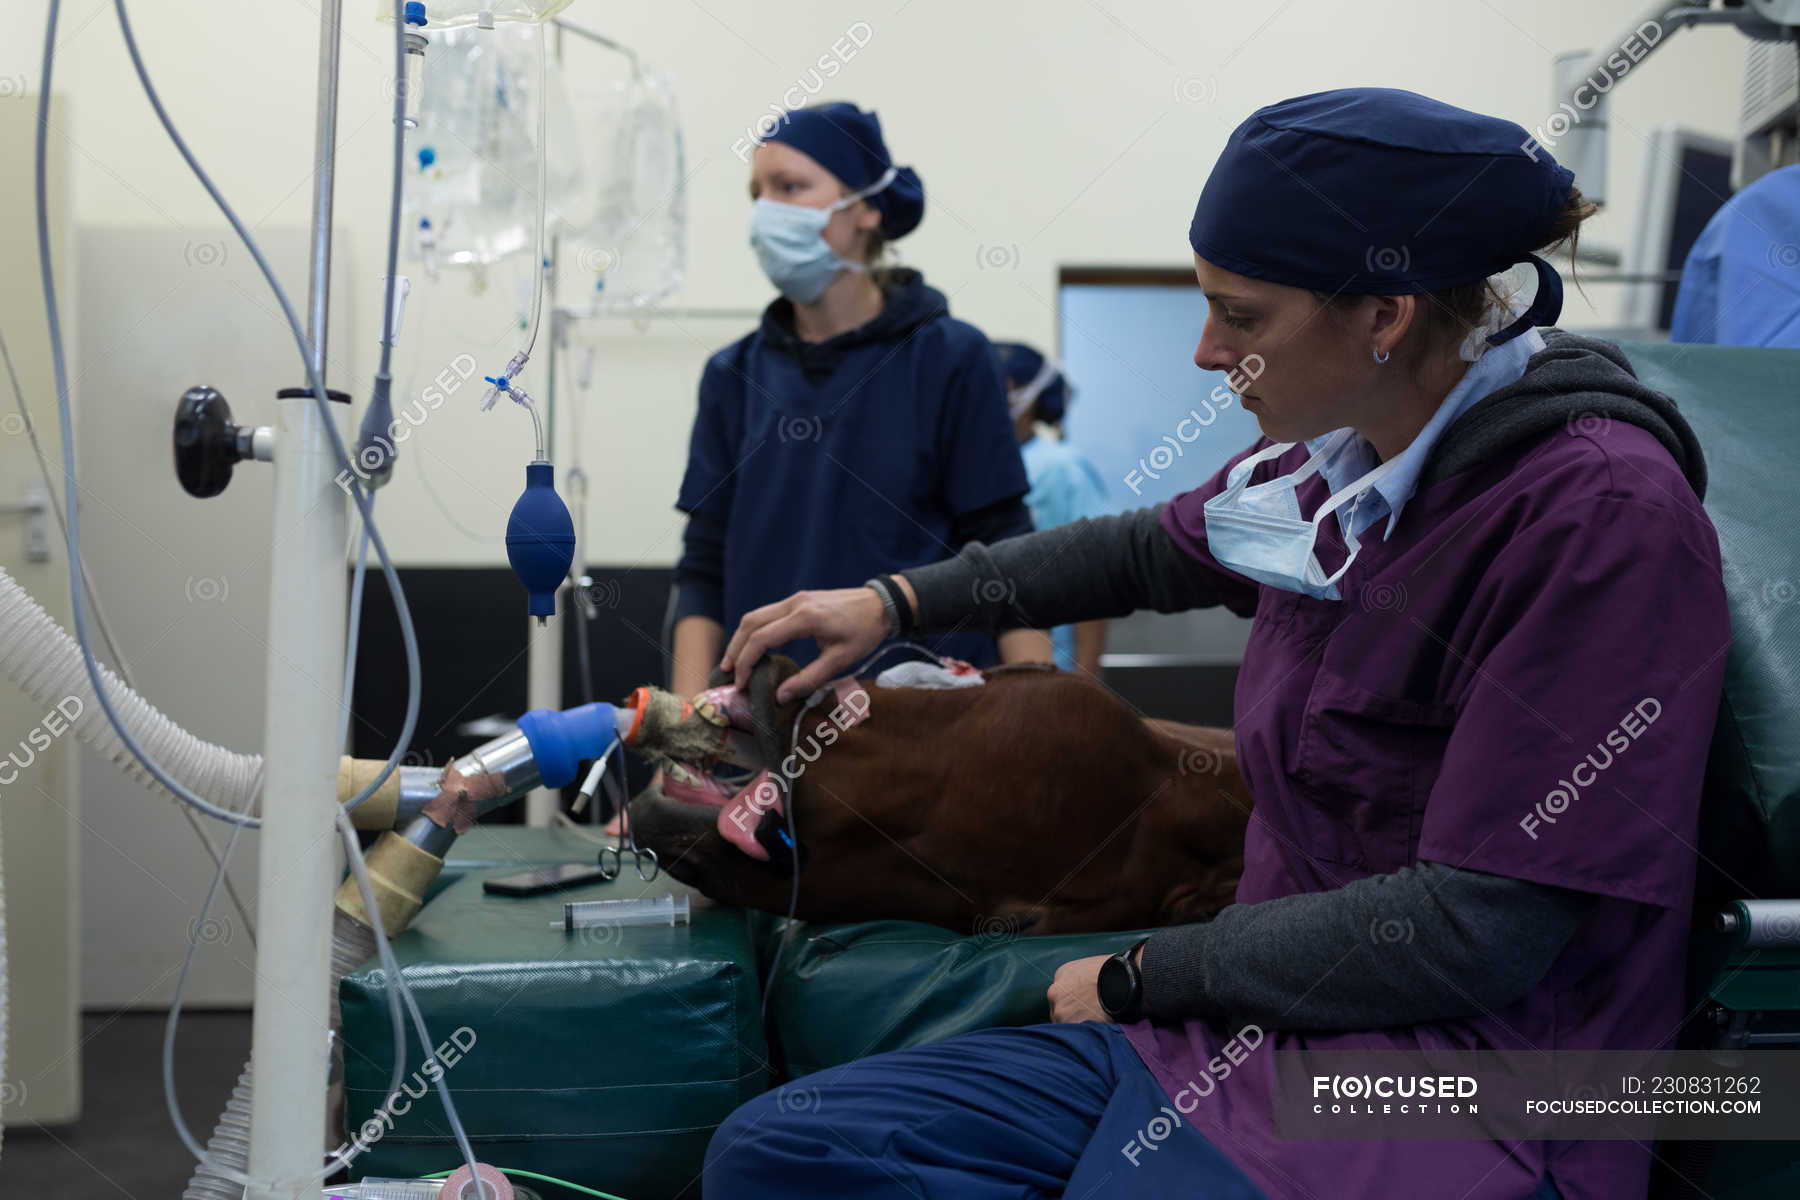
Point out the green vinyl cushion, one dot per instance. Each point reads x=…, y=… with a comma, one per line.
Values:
x=1744, y=406
x=841, y=992
x=604, y=1057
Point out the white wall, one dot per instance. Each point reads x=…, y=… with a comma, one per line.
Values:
x=41, y=803
x=1047, y=134
x=184, y=582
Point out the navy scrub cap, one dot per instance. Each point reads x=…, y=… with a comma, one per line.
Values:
x=847, y=141
x=1022, y=365
x=1375, y=191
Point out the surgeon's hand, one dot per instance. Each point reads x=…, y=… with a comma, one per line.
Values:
x=1075, y=992
x=847, y=623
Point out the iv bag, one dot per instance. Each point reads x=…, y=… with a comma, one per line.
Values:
x=449, y=14
x=573, y=196
x=475, y=153
x=632, y=251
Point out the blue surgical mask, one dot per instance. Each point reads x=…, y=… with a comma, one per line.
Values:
x=1259, y=533
x=789, y=240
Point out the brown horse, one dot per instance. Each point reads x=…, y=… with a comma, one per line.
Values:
x=1036, y=802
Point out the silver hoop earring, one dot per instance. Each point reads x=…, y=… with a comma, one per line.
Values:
x=1380, y=358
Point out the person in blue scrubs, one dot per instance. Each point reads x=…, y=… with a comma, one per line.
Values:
x=860, y=428
x=1741, y=283
x=1065, y=486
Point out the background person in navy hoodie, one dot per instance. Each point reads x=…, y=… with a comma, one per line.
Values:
x=859, y=429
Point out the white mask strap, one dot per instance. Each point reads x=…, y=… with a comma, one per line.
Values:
x=1351, y=492
x=1245, y=466
x=888, y=176
x=1026, y=396
x=1302, y=473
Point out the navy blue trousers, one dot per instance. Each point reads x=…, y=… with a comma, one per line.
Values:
x=999, y=1114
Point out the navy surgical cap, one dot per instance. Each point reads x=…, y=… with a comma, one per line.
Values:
x=1374, y=191
x=1022, y=366
x=847, y=141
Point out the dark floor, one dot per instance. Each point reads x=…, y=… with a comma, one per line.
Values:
x=124, y=1145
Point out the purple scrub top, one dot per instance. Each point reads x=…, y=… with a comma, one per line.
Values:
x=1543, y=635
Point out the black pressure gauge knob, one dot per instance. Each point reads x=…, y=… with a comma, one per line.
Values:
x=206, y=442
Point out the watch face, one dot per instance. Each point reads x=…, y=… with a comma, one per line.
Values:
x=1114, y=986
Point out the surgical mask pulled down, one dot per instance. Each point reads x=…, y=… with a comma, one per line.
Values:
x=1259, y=533
x=789, y=240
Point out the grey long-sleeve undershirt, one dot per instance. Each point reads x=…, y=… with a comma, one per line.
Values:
x=1427, y=942
x=1088, y=570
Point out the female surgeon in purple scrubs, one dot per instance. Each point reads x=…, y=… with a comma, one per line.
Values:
x=1486, y=658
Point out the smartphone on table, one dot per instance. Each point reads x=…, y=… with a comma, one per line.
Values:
x=539, y=880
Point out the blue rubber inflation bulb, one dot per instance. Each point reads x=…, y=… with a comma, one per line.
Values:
x=540, y=539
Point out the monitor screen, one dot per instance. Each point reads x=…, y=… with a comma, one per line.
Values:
x=1150, y=421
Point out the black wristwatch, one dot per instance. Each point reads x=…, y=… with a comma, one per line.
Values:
x=1121, y=985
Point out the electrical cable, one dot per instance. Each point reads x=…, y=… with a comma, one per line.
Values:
x=420, y=308
x=77, y=599
x=173, y=1021
x=320, y=398
x=112, y=645
x=43, y=462
x=581, y=606
x=573, y=1187
x=315, y=381
x=378, y=417
x=362, y=500
x=353, y=847
x=543, y=188
x=581, y=650
x=358, y=868
x=793, y=839
x=502, y=384
x=399, y=992
x=787, y=791
x=450, y=517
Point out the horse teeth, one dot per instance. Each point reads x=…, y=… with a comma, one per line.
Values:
x=709, y=712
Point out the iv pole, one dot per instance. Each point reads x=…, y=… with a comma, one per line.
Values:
x=298, y=852
x=544, y=643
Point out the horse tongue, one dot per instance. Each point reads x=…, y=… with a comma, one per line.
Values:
x=739, y=818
